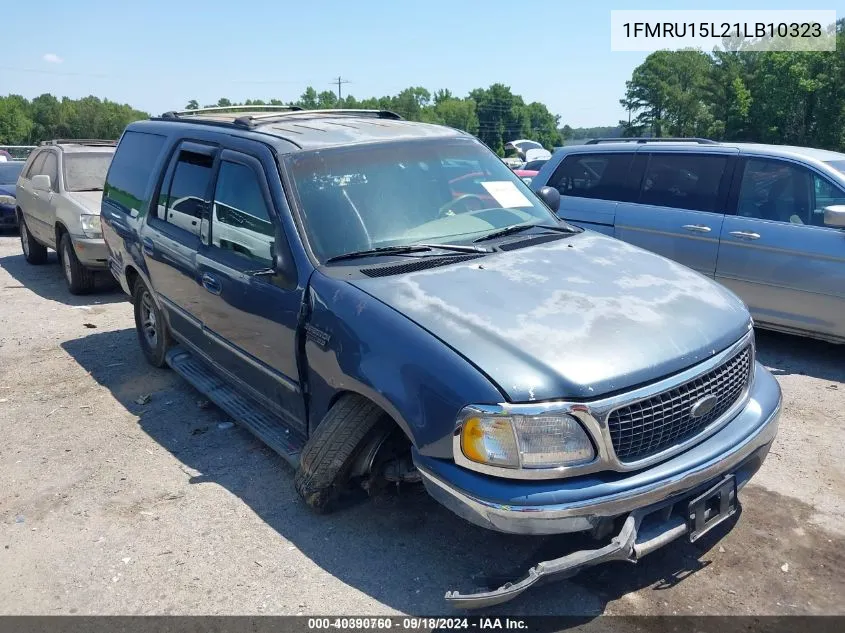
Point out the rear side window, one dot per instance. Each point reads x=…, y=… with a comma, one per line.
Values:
x=131, y=170
x=185, y=192
x=683, y=181
x=602, y=176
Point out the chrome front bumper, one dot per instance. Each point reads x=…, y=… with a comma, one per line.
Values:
x=738, y=448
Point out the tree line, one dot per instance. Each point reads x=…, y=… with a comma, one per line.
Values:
x=494, y=114
x=738, y=94
x=25, y=122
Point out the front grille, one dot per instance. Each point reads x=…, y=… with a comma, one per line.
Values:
x=647, y=427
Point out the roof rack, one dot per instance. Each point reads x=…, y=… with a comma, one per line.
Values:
x=378, y=114
x=279, y=112
x=643, y=139
x=173, y=114
x=79, y=141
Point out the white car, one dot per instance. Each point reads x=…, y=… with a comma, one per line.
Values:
x=58, y=206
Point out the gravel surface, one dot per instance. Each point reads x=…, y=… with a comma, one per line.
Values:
x=123, y=493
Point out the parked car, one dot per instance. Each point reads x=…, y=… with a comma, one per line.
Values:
x=9, y=172
x=766, y=221
x=526, y=174
x=535, y=165
x=536, y=377
x=58, y=207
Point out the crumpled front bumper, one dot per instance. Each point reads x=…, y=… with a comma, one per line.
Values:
x=652, y=501
x=582, y=503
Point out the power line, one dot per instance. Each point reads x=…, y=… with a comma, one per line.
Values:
x=340, y=81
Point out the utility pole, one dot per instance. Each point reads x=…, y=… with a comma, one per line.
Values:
x=339, y=81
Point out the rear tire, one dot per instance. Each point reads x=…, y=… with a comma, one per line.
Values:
x=153, y=335
x=330, y=453
x=80, y=280
x=34, y=252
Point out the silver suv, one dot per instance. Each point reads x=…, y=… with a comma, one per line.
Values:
x=58, y=206
x=766, y=221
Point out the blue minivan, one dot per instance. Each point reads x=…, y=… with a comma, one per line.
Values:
x=386, y=303
x=766, y=221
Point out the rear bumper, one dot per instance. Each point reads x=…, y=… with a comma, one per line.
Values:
x=91, y=252
x=584, y=503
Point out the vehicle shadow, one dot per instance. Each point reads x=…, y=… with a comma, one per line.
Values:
x=48, y=282
x=785, y=354
x=404, y=550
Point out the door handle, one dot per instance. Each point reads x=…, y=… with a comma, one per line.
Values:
x=211, y=284
x=697, y=228
x=147, y=245
x=746, y=235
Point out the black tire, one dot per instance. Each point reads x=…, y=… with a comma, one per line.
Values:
x=34, y=252
x=80, y=280
x=330, y=453
x=153, y=336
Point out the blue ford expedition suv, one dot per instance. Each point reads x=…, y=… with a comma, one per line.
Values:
x=384, y=301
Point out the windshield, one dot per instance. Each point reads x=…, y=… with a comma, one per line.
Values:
x=838, y=165
x=9, y=172
x=394, y=194
x=86, y=171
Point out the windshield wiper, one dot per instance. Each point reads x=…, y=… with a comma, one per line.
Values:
x=408, y=248
x=381, y=250
x=458, y=248
x=518, y=228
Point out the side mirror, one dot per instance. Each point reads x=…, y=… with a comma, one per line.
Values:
x=551, y=197
x=283, y=264
x=41, y=182
x=834, y=216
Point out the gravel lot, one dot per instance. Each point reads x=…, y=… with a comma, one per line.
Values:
x=108, y=506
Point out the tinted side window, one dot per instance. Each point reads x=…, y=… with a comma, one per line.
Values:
x=826, y=194
x=131, y=170
x=775, y=190
x=240, y=218
x=35, y=165
x=187, y=191
x=683, y=181
x=602, y=176
x=51, y=168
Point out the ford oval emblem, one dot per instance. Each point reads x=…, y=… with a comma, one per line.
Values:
x=703, y=406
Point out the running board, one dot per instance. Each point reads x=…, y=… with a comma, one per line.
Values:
x=265, y=425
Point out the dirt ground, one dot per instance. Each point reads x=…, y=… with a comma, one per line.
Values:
x=112, y=506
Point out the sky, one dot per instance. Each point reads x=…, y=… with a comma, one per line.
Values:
x=156, y=55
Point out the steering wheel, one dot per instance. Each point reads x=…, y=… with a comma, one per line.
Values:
x=446, y=209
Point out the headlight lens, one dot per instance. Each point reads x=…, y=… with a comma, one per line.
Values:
x=545, y=440
x=91, y=225
x=8, y=201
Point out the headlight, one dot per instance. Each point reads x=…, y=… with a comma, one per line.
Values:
x=8, y=201
x=91, y=225
x=545, y=440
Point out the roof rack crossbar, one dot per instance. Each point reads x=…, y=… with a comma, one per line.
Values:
x=252, y=120
x=662, y=139
x=172, y=114
x=79, y=141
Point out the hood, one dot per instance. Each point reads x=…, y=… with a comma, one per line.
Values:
x=89, y=200
x=579, y=317
x=8, y=190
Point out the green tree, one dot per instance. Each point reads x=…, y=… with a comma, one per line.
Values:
x=15, y=124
